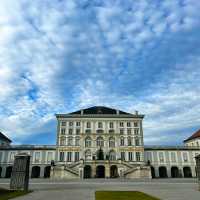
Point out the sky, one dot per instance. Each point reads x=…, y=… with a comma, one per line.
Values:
x=58, y=56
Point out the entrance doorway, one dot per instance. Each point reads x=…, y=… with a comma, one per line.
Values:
x=87, y=171
x=162, y=172
x=100, y=171
x=153, y=172
x=47, y=171
x=174, y=172
x=8, y=172
x=187, y=172
x=113, y=171
x=35, y=173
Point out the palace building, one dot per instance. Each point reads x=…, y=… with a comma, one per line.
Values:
x=102, y=142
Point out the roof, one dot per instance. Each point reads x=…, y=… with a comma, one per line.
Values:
x=160, y=147
x=4, y=137
x=100, y=111
x=193, y=136
x=28, y=147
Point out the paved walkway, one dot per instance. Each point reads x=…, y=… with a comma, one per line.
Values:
x=165, y=189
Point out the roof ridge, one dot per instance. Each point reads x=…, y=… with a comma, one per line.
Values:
x=100, y=110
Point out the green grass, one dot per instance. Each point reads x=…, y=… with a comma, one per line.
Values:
x=122, y=195
x=9, y=194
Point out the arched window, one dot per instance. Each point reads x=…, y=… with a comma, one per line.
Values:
x=137, y=142
x=88, y=142
x=70, y=141
x=111, y=142
x=129, y=141
x=62, y=141
x=122, y=141
x=77, y=141
x=112, y=155
x=88, y=155
x=100, y=142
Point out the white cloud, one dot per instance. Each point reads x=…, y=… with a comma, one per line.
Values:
x=55, y=56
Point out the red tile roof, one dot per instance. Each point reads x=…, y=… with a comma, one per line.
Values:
x=193, y=136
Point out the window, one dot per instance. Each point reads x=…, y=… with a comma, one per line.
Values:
x=129, y=141
x=130, y=156
x=78, y=131
x=122, y=155
x=70, y=123
x=112, y=155
x=76, y=156
x=137, y=156
x=63, y=123
x=88, y=131
x=111, y=142
x=100, y=131
x=135, y=124
x=111, y=125
x=78, y=123
x=49, y=156
x=1, y=156
x=100, y=142
x=88, y=125
x=69, y=156
x=37, y=157
x=161, y=156
x=70, y=132
x=129, y=131
x=173, y=156
x=122, y=141
x=121, y=124
x=100, y=125
x=137, y=142
x=136, y=131
x=111, y=131
x=88, y=142
x=62, y=154
x=121, y=131
x=70, y=140
x=185, y=157
x=63, y=131
x=12, y=156
x=62, y=141
x=77, y=141
x=149, y=156
x=128, y=124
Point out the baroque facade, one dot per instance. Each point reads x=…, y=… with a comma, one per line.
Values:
x=101, y=142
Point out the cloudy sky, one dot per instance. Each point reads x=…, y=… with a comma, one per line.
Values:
x=58, y=56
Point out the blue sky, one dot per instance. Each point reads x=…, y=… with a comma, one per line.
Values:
x=59, y=56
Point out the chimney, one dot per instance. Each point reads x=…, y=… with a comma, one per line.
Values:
x=117, y=112
x=136, y=112
x=81, y=111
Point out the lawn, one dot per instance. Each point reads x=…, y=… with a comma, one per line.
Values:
x=122, y=195
x=9, y=194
